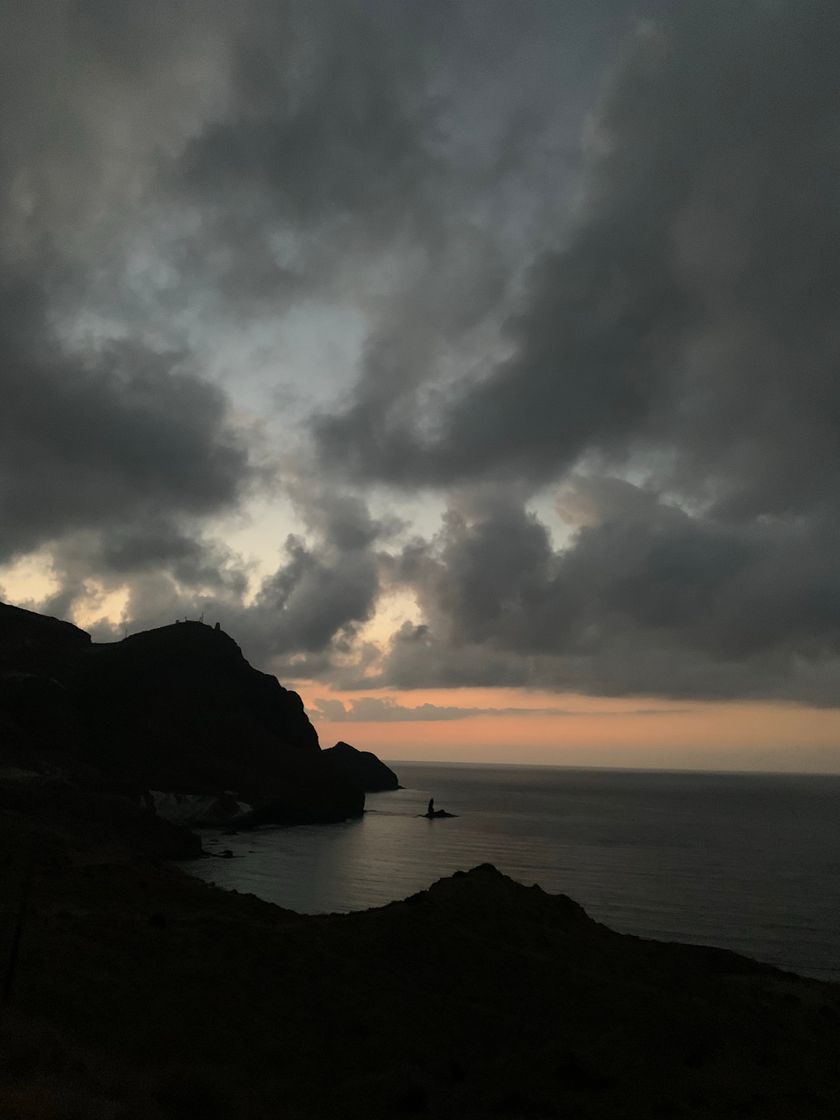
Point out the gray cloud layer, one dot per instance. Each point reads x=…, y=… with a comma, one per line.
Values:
x=685, y=333
x=99, y=428
x=374, y=709
x=691, y=309
x=639, y=315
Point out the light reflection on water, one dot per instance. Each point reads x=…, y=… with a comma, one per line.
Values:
x=748, y=862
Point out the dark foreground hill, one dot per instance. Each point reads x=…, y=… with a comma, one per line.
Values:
x=176, y=709
x=142, y=993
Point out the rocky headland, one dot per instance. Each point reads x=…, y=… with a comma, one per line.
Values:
x=362, y=766
x=168, y=715
x=131, y=990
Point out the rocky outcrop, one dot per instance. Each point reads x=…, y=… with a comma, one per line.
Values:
x=362, y=766
x=195, y=810
x=177, y=709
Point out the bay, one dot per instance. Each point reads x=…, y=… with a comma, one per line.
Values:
x=749, y=862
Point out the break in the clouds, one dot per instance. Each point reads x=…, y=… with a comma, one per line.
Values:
x=523, y=317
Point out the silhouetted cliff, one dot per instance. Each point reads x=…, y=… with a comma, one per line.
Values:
x=29, y=640
x=181, y=708
x=177, y=708
x=363, y=766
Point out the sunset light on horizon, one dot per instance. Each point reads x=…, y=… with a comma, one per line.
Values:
x=420, y=559
x=461, y=355
x=511, y=726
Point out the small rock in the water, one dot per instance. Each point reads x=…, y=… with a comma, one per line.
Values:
x=435, y=814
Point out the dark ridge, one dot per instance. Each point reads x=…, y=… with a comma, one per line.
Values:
x=22, y=630
x=139, y=992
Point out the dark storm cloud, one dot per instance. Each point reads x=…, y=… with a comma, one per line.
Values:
x=171, y=171
x=302, y=615
x=684, y=331
x=692, y=307
x=159, y=543
x=154, y=157
x=645, y=598
x=88, y=440
x=358, y=120
x=311, y=598
x=325, y=101
x=284, y=123
x=336, y=152
x=404, y=154
x=327, y=586
x=98, y=429
x=167, y=568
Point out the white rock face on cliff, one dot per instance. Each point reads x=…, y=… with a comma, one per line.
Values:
x=193, y=809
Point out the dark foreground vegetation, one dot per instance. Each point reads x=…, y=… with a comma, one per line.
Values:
x=140, y=992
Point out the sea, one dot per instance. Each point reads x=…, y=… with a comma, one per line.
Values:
x=749, y=862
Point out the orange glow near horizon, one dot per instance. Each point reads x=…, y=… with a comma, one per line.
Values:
x=646, y=732
x=594, y=731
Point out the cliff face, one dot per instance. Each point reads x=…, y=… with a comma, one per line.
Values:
x=177, y=708
x=180, y=708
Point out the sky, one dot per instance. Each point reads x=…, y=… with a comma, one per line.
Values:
x=473, y=362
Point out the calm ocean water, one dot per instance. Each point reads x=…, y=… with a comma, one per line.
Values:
x=747, y=862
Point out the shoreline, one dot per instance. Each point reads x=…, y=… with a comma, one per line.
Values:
x=142, y=992
x=660, y=883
